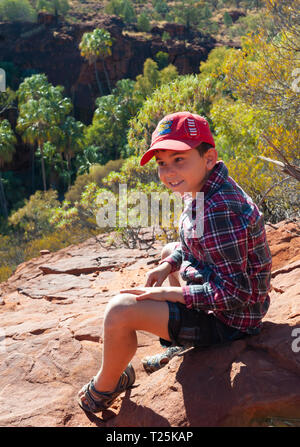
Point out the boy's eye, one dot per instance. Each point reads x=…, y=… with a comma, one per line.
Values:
x=178, y=158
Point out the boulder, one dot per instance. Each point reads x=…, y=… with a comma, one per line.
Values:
x=51, y=341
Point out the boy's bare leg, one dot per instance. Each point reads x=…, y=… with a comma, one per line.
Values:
x=123, y=317
x=174, y=278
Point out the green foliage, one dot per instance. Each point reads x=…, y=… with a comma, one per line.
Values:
x=237, y=127
x=262, y=74
x=187, y=12
x=121, y=8
x=87, y=157
x=7, y=142
x=71, y=138
x=257, y=179
x=14, y=249
x=162, y=59
x=128, y=12
x=7, y=149
x=32, y=220
x=17, y=11
x=54, y=6
x=191, y=13
x=143, y=23
x=168, y=74
x=95, y=174
x=114, y=7
x=34, y=87
x=110, y=121
x=160, y=7
x=227, y=19
x=165, y=36
x=212, y=76
x=80, y=214
x=138, y=182
x=11, y=254
x=149, y=80
x=184, y=93
x=132, y=174
x=42, y=116
x=153, y=78
x=96, y=44
x=246, y=25
x=5, y=272
x=7, y=100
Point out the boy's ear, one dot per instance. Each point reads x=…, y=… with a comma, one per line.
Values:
x=211, y=157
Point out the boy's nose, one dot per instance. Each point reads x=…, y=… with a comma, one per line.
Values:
x=169, y=171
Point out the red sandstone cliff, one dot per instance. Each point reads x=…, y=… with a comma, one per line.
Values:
x=51, y=47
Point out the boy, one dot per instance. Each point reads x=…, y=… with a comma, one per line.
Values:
x=226, y=268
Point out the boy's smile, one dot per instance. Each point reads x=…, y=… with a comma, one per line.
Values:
x=184, y=171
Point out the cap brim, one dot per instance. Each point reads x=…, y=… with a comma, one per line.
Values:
x=171, y=145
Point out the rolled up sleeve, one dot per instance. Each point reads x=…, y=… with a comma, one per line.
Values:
x=175, y=259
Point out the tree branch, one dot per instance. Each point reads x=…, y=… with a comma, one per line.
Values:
x=286, y=166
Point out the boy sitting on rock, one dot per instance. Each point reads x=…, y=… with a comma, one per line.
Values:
x=227, y=267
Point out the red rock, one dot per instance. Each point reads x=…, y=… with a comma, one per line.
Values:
x=44, y=252
x=48, y=350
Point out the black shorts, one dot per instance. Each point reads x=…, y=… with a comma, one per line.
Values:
x=189, y=327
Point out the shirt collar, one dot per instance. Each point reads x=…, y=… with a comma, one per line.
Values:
x=215, y=180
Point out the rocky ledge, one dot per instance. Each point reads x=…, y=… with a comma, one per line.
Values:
x=50, y=345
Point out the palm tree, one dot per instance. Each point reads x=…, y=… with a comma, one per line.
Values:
x=39, y=120
x=7, y=148
x=71, y=139
x=34, y=87
x=94, y=45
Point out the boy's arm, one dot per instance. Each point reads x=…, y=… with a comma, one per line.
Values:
x=225, y=241
x=175, y=259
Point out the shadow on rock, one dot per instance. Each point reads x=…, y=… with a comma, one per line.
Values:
x=240, y=383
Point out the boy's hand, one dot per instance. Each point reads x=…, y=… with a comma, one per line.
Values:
x=173, y=294
x=156, y=276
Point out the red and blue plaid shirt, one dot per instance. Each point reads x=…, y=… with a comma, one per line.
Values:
x=228, y=267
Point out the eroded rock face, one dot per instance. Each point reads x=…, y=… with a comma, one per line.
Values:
x=51, y=46
x=51, y=342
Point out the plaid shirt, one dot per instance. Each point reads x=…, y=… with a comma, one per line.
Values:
x=228, y=268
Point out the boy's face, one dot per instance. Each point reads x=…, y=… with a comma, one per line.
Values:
x=185, y=171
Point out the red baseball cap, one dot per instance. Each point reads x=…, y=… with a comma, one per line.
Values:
x=179, y=131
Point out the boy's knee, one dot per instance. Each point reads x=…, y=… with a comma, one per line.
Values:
x=118, y=308
x=168, y=249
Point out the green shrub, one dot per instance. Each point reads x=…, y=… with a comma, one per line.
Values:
x=96, y=174
x=143, y=23
x=165, y=36
x=162, y=59
x=32, y=220
x=16, y=11
x=227, y=19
